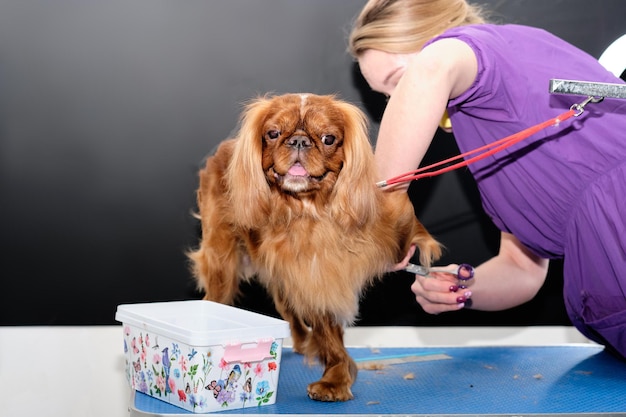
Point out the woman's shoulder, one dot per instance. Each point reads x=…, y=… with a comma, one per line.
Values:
x=511, y=45
x=489, y=32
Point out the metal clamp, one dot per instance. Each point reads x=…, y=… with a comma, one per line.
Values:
x=586, y=88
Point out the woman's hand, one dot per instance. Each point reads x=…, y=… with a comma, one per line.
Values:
x=440, y=292
x=511, y=278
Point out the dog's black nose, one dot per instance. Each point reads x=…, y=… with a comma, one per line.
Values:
x=299, y=142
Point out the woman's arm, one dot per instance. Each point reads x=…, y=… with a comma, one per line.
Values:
x=511, y=278
x=441, y=71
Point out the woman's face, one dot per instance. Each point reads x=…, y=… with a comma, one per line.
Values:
x=382, y=70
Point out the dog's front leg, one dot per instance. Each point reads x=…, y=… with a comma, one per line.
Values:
x=339, y=369
x=299, y=329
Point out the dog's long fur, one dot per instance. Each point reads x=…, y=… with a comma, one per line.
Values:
x=314, y=234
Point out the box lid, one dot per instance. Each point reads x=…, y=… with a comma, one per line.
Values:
x=201, y=322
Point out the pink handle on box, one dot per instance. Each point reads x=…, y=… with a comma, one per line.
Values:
x=238, y=352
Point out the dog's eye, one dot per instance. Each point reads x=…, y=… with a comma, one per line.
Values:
x=328, y=139
x=273, y=134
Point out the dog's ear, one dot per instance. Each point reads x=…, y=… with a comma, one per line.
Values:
x=248, y=189
x=355, y=190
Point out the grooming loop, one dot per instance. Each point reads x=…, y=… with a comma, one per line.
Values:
x=489, y=149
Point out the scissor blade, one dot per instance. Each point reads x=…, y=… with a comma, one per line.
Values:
x=417, y=269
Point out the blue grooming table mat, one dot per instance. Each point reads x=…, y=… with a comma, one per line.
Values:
x=561, y=380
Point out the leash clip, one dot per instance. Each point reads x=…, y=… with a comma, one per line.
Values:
x=580, y=107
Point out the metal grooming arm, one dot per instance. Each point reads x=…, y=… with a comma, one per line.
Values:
x=585, y=88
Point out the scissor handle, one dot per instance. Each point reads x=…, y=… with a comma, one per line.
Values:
x=465, y=272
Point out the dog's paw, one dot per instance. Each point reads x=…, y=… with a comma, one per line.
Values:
x=327, y=391
x=336, y=382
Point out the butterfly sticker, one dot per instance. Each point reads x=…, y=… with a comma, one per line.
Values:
x=247, y=387
x=216, y=387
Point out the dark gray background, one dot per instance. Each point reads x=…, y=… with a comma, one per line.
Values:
x=107, y=109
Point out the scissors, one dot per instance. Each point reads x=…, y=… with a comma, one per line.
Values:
x=464, y=272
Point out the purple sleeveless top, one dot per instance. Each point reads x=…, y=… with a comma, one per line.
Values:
x=562, y=191
x=532, y=189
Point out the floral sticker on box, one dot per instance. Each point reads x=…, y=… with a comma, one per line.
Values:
x=199, y=379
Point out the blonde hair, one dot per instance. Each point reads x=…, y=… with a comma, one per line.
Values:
x=404, y=26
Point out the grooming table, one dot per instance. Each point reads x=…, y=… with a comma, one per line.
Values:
x=548, y=380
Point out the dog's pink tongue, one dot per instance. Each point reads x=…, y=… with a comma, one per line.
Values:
x=297, y=170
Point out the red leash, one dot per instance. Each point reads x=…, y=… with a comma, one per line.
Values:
x=496, y=146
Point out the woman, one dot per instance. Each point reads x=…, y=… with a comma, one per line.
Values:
x=557, y=194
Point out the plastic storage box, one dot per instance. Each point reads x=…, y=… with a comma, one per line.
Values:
x=202, y=356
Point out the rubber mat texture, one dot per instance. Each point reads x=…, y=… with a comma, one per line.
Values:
x=573, y=379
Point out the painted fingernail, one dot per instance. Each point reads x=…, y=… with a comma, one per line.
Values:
x=462, y=287
x=461, y=299
x=454, y=288
x=468, y=294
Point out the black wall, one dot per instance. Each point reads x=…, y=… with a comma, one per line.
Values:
x=107, y=110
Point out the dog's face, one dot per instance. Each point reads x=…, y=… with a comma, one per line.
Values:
x=302, y=143
x=302, y=147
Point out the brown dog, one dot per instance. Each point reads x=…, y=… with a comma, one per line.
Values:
x=292, y=201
